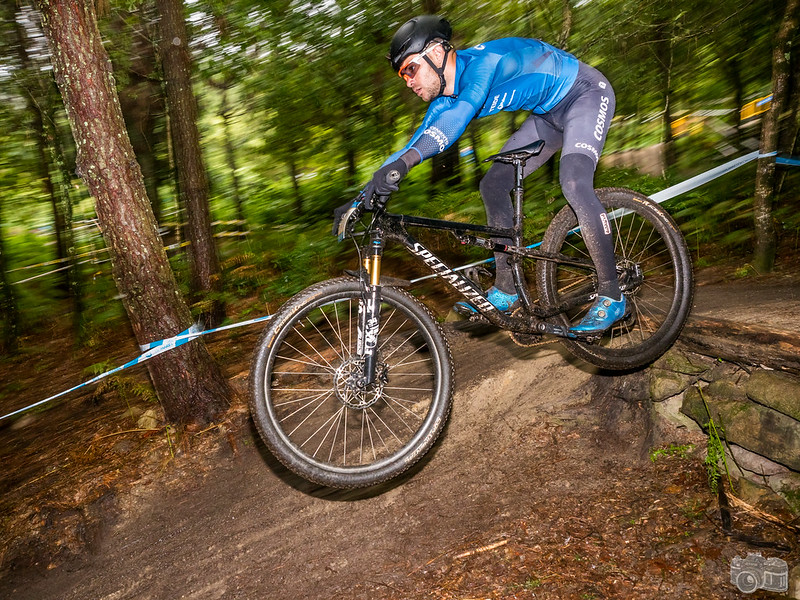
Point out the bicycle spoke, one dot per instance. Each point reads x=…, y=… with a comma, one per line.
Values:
x=647, y=247
x=321, y=409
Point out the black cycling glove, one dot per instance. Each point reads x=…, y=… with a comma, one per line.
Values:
x=384, y=181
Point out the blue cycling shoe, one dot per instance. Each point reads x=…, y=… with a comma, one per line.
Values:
x=602, y=315
x=503, y=302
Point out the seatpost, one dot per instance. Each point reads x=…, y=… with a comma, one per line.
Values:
x=517, y=196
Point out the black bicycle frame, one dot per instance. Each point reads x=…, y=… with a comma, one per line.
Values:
x=393, y=227
x=532, y=320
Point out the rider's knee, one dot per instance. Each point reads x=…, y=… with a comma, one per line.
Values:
x=576, y=176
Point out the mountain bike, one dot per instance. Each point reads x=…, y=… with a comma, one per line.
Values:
x=351, y=382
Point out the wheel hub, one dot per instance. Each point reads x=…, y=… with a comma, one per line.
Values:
x=630, y=276
x=350, y=387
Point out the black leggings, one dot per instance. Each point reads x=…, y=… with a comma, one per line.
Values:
x=578, y=126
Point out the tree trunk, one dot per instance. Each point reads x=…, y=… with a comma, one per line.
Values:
x=665, y=56
x=743, y=343
x=445, y=166
x=230, y=156
x=348, y=142
x=294, y=173
x=566, y=26
x=41, y=113
x=789, y=140
x=187, y=380
x=143, y=103
x=8, y=307
x=193, y=183
x=732, y=70
x=64, y=208
x=764, y=227
x=473, y=131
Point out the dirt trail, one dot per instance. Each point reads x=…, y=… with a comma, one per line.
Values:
x=540, y=488
x=247, y=527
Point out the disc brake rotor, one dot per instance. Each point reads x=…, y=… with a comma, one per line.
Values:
x=348, y=383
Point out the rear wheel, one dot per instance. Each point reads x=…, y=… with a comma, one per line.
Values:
x=654, y=270
x=306, y=399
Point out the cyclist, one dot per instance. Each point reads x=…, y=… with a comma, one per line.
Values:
x=571, y=105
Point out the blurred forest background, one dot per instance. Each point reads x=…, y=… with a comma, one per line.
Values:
x=296, y=106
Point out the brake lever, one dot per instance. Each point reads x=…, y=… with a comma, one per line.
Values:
x=354, y=213
x=357, y=210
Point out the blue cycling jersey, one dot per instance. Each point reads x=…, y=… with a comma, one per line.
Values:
x=506, y=74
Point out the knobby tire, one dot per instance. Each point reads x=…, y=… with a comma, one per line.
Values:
x=661, y=299
x=322, y=428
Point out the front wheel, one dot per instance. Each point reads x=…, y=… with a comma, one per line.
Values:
x=654, y=271
x=309, y=407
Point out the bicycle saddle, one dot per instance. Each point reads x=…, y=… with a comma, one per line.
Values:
x=518, y=154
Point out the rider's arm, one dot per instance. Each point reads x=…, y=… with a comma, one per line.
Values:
x=445, y=122
x=448, y=116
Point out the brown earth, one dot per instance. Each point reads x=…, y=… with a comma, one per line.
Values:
x=541, y=487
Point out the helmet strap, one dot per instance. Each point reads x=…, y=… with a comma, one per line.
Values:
x=440, y=70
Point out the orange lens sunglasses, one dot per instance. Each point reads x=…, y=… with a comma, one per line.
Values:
x=409, y=69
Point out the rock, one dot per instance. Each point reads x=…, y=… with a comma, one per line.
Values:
x=788, y=486
x=794, y=583
x=724, y=370
x=24, y=421
x=148, y=420
x=728, y=389
x=755, y=463
x=763, y=498
x=665, y=384
x=752, y=426
x=679, y=362
x=123, y=446
x=669, y=412
x=775, y=390
x=751, y=492
x=134, y=412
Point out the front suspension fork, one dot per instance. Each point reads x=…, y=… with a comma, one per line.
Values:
x=369, y=312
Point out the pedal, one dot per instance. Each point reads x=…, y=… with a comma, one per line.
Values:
x=591, y=338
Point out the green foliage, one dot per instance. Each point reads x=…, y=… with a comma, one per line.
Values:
x=126, y=388
x=715, y=451
x=681, y=451
x=300, y=263
x=792, y=497
x=312, y=108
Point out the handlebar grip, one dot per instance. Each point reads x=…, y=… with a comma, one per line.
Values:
x=393, y=176
x=381, y=202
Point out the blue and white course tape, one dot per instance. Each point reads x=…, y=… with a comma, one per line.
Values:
x=160, y=346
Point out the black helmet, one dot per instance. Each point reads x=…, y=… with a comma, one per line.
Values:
x=414, y=35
